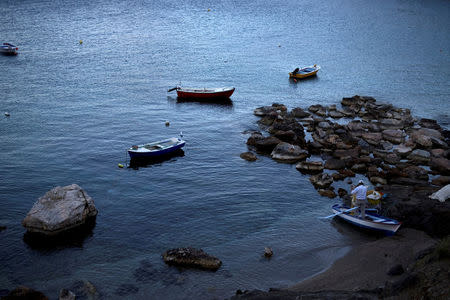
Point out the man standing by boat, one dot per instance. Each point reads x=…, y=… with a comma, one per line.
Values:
x=360, y=193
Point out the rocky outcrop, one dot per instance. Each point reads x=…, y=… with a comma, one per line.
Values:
x=285, y=152
x=382, y=142
x=321, y=181
x=59, y=210
x=411, y=204
x=263, y=144
x=442, y=195
x=191, y=258
x=310, y=167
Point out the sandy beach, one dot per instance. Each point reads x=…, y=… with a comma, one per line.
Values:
x=404, y=266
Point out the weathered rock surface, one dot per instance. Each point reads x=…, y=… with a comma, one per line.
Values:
x=395, y=136
x=263, y=144
x=327, y=193
x=321, y=181
x=420, y=156
x=411, y=204
x=441, y=165
x=191, y=258
x=248, y=156
x=288, y=153
x=59, y=210
x=334, y=164
x=300, y=113
x=23, y=292
x=65, y=294
x=310, y=167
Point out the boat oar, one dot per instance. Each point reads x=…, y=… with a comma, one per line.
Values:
x=172, y=89
x=341, y=212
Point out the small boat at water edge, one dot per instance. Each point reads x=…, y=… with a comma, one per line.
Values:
x=204, y=94
x=304, y=72
x=156, y=149
x=8, y=49
x=373, y=221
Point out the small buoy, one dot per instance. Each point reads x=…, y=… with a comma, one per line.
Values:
x=279, y=45
x=167, y=123
x=120, y=165
x=209, y=9
x=295, y=80
x=7, y=114
x=81, y=42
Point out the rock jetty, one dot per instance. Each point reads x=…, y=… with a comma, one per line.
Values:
x=405, y=157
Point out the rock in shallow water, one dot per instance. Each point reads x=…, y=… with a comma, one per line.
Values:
x=248, y=156
x=285, y=152
x=59, y=210
x=191, y=257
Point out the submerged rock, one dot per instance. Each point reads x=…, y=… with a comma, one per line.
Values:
x=268, y=252
x=248, y=156
x=65, y=294
x=191, y=257
x=23, y=292
x=59, y=210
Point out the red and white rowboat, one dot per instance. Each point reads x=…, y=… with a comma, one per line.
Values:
x=206, y=94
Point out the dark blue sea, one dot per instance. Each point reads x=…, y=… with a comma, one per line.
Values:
x=75, y=109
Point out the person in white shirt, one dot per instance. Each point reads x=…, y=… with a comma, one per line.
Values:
x=360, y=192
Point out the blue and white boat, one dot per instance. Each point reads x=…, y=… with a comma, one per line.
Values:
x=8, y=49
x=155, y=149
x=372, y=221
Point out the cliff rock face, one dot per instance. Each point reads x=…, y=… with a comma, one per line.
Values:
x=60, y=209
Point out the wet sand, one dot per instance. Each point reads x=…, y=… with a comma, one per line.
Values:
x=366, y=266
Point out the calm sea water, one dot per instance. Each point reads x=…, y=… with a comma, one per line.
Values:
x=75, y=108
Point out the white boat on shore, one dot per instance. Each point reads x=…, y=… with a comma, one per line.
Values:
x=372, y=221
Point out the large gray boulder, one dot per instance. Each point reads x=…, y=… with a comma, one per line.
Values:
x=59, y=210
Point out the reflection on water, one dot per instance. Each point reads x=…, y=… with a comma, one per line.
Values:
x=294, y=81
x=217, y=102
x=74, y=237
x=136, y=163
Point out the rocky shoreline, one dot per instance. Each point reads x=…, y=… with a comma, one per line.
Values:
x=398, y=154
x=405, y=158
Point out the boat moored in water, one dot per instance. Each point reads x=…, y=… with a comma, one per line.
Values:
x=223, y=93
x=304, y=72
x=372, y=221
x=156, y=149
x=8, y=49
